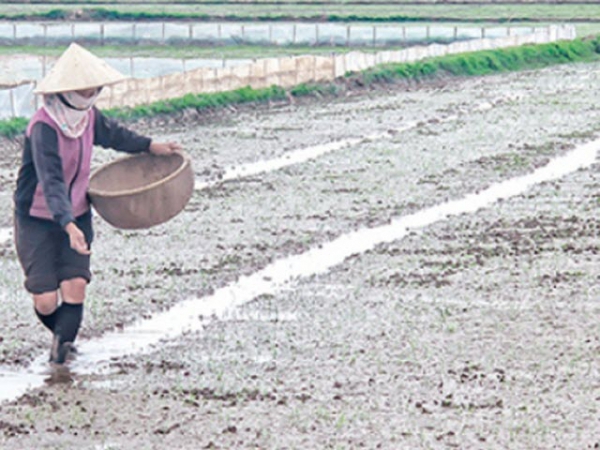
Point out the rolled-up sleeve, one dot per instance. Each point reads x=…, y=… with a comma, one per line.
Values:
x=49, y=171
x=108, y=133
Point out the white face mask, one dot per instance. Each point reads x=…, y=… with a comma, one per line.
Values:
x=80, y=102
x=72, y=119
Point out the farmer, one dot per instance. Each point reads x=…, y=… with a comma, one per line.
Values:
x=53, y=220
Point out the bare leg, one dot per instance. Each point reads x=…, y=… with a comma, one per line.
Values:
x=73, y=291
x=45, y=306
x=46, y=303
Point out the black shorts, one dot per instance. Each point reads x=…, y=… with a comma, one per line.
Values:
x=46, y=255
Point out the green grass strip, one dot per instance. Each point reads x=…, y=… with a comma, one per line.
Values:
x=485, y=62
x=200, y=102
x=464, y=64
x=13, y=127
x=104, y=14
x=385, y=13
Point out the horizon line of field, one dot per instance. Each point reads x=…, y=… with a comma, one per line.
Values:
x=185, y=317
x=305, y=154
x=306, y=2
x=313, y=18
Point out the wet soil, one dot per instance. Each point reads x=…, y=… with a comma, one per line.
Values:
x=479, y=331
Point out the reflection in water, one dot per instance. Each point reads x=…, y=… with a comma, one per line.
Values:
x=59, y=374
x=13, y=383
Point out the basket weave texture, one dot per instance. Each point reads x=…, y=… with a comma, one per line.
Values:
x=143, y=190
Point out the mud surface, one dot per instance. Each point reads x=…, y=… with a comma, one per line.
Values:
x=479, y=331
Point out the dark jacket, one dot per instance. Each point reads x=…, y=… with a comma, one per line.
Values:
x=54, y=175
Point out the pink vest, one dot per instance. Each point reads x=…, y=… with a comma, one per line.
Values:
x=76, y=156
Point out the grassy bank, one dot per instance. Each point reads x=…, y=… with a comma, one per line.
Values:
x=12, y=127
x=200, y=102
x=530, y=12
x=487, y=62
x=465, y=64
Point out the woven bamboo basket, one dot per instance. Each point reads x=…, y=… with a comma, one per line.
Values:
x=143, y=190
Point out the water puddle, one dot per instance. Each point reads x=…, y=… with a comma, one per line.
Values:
x=314, y=152
x=5, y=235
x=15, y=384
x=186, y=316
x=296, y=157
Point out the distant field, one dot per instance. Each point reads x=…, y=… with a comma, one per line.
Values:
x=297, y=2
x=225, y=52
x=588, y=29
x=335, y=11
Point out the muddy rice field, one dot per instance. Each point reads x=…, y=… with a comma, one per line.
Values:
x=476, y=330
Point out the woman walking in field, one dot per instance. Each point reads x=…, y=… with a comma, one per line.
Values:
x=53, y=220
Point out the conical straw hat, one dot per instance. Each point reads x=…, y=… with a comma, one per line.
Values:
x=78, y=69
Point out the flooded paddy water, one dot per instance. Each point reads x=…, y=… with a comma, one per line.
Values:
x=472, y=325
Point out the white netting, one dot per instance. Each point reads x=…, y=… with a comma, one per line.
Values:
x=157, y=79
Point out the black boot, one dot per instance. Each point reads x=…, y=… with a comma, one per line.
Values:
x=66, y=328
x=59, y=350
x=49, y=320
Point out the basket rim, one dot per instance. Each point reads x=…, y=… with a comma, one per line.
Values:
x=111, y=194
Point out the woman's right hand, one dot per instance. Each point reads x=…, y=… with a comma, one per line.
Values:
x=77, y=239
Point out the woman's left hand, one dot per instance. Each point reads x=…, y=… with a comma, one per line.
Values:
x=163, y=148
